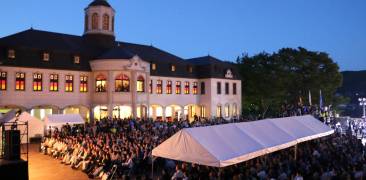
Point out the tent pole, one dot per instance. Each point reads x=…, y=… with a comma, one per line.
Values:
x=152, y=167
x=295, y=152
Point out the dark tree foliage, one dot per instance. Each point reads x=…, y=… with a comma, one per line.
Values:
x=271, y=81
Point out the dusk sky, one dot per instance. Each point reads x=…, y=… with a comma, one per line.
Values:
x=224, y=29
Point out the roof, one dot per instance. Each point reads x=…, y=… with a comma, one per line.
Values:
x=31, y=43
x=225, y=145
x=100, y=3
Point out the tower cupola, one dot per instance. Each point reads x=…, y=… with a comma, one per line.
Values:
x=99, y=18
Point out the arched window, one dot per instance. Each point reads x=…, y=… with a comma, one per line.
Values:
x=140, y=86
x=95, y=21
x=100, y=84
x=105, y=22
x=122, y=83
x=86, y=23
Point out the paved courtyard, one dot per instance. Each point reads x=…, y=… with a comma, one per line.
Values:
x=44, y=167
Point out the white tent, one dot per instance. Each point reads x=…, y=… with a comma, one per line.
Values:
x=57, y=120
x=229, y=144
x=35, y=126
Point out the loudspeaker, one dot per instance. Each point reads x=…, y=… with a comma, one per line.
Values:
x=12, y=145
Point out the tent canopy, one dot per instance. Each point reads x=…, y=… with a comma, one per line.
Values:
x=35, y=126
x=228, y=144
x=57, y=120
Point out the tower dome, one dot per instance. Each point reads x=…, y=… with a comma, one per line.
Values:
x=99, y=22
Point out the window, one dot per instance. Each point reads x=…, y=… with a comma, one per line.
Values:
x=151, y=87
x=169, y=87
x=105, y=22
x=76, y=59
x=11, y=54
x=46, y=56
x=218, y=111
x=178, y=87
x=234, y=88
x=153, y=66
x=226, y=88
x=37, y=82
x=86, y=21
x=218, y=87
x=122, y=83
x=172, y=68
x=83, y=83
x=69, y=83
x=203, y=88
x=235, y=113
x=19, y=81
x=140, y=86
x=159, y=87
x=95, y=19
x=190, y=69
x=53, y=82
x=227, y=111
x=100, y=84
x=186, y=87
x=203, y=111
x=195, y=87
x=112, y=23
x=3, y=80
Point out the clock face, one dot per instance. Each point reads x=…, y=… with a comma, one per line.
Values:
x=229, y=74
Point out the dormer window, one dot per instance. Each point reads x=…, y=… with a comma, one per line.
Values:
x=11, y=54
x=172, y=68
x=46, y=56
x=76, y=59
x=190, y=69
x=153, y=66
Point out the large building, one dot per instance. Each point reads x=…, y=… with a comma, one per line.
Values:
x=97, y=76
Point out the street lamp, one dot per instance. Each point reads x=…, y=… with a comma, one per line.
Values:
x=363, y=104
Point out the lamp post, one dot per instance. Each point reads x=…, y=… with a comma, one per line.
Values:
x=363, y=104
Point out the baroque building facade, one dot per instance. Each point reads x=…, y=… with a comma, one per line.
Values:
x=97, y=76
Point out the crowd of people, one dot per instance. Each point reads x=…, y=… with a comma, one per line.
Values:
x=122, y=148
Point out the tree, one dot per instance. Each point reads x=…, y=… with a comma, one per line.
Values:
x=274, y=80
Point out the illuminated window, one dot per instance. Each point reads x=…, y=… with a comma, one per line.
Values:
x=203, y=88
x=218, y=88
x=235, y=113
x=218, y=111
x=76, y=59
x=203, y=111
x=151, y=87
x=53, y=82
x=190, y=69
x=122, y=83
x=37, y=82
x=46, y=56
x=226, y=88
x=178, y=87
x=234, y=88
x=172, y=68
x=195, y=87
x=159, y=87
x=169, y=87
x=95, y=19
x=11, y=54
x=140, y=86
x=83, y=83
x=227, y=111
x=105, y=22
x=153, y=66
x=69, y=83
x=3, y=81
x=186, y=87
x=19, y=81
x=100, y=84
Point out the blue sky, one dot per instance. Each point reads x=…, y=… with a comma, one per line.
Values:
x=225, y=29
